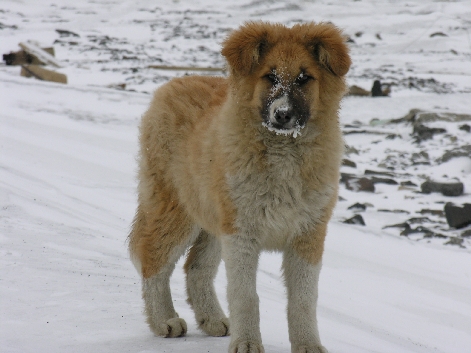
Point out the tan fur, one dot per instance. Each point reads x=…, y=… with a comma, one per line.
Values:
x=207, y=162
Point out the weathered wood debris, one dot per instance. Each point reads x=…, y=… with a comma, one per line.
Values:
x=33, y=61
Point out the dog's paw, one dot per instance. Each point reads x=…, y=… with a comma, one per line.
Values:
x=174, y=327
x=310, y=349
x=246, y=347
x=215, y=327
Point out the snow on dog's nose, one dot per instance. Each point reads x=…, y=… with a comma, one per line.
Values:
x=281, y=114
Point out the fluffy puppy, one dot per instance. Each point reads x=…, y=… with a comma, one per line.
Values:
x=231, y=167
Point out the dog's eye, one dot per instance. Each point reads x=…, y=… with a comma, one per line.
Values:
x=272, y=78
x=303, y=78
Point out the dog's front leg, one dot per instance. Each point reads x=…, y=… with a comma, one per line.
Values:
x=301, y=279
x=241, y=255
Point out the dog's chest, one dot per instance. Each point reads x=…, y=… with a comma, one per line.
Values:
x=277, y=204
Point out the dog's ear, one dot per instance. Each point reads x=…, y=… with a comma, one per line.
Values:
x=328, y=44
x=244, y=48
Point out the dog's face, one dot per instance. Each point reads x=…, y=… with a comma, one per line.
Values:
x=287, y=85
x=287, y=72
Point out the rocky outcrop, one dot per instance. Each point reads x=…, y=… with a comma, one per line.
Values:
x=458, y=216
x=447, y=189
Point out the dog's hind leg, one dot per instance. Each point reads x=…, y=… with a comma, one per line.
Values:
x=201, y=267
x=157, y=241
x=161, y=315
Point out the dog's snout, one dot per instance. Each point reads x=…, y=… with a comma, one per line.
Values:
x=281, y=113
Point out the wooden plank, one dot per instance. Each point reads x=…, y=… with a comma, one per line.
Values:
x=40, y=54
x=187, y=68
x=42, y=74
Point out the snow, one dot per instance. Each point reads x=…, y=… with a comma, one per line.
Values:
x=293, y=132
x=68, y=185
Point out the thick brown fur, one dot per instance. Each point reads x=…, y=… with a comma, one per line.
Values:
x=207, y=162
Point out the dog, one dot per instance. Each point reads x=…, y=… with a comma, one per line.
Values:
x=231, y=167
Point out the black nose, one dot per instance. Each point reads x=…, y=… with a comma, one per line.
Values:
x=283, y=116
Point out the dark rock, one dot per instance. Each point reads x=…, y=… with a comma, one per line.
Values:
x=393, y=211
x=65, y=33
x=369, y=132
x=407, y=183
x=409, y=230
x=466, y=233
x=425, y=117
x=348, y=163
x=420, y=158
x=374, y=172
x=425, y=84
x=391, y=162
x=427, y=232
x=388, y=181
x=376, y=90
x=465, y=127
x=432, y=212
x=434, y=235
x=420, y=220
x=392, y=136
x=420, y=163
x=419, y=116
x=455, y=241
x=119, y=86
x=456, y=216
x=398, y=225
x=463, y=151
x=358, y=207
x=447, y=189
x=360, y=184
x=3, y=26
x=438, y=34
x=346, y=176
x=422, y=132
x=408, y=118
x=350, y=150
x=65, y=42
x=357, y=219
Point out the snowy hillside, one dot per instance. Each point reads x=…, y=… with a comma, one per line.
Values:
x=67, y=175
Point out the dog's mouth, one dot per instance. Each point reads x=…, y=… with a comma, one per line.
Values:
x=295, y=131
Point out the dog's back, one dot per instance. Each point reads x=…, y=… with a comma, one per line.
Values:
x=178, y=110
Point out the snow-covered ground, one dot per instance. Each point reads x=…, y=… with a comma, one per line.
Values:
x=67, y=176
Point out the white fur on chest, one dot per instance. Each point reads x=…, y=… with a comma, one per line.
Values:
x=276, y=205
